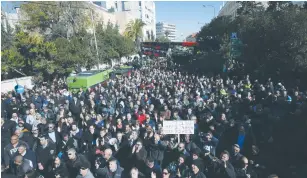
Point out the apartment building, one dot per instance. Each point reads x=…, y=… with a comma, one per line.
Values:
x=163, y=27
x=131, y=10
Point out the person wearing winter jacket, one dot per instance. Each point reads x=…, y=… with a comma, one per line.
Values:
x=196, y=173
x=75, y=162
x=138, y=155
x=59, y=168
x=27, y=154
x=112, y=171
x=245, y=171
x=223, y=168
x=45, y=152
x=10, y=150
x=156, y=149
x=23, y=166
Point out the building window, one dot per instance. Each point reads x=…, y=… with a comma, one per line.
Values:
x=123, y=6
x=97, y=3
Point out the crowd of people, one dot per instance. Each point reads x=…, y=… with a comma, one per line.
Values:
x=243, y=128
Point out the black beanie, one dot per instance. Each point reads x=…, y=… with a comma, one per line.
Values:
x=197, y=163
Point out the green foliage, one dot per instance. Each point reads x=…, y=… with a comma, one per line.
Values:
x=56, y=40
x=11, y=58
x=211, y=35
x=167, y=33
x=274, y=39
x=41, y=16
x=111, y=44
x=55, y=19
x=163, y=39
x=134, y=31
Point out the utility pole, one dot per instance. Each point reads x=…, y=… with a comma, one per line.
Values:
x=94, y=30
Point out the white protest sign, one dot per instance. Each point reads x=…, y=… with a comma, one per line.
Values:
x=178, y=127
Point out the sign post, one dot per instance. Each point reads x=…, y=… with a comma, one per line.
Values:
x=178, y=127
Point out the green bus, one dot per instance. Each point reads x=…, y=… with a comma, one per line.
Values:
x=88, y=79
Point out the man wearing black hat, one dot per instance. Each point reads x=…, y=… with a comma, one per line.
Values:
x=196, y=172
x=45, y=153
x=196, y=157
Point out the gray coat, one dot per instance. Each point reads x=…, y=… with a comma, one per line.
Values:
x=24, y=168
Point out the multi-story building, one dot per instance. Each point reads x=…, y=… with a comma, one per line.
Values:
x=230, y=8
x=131, y=10
x=10, y=18
x=166, y=30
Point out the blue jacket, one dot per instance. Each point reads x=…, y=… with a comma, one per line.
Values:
x=38, y=102
x=30, y=155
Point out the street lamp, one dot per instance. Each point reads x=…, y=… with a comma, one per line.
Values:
x=210, y=6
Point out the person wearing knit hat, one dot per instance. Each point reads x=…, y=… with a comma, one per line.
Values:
x=196, y=170
x=195, y=156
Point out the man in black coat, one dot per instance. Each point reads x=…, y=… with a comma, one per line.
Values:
x=45, y=153
x=13, y=107
x=65, y=143
x=236, y=156
x=75, y=162
x=121, y=147
x=7, y=128
x=138, y=156
x=53, y=134
x=223, y=168
x=196, y=172
x=75, y=107
x=156, y=149
x=111, y=171
x=245, y=171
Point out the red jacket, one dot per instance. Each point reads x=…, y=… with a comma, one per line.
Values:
x=141, y=118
